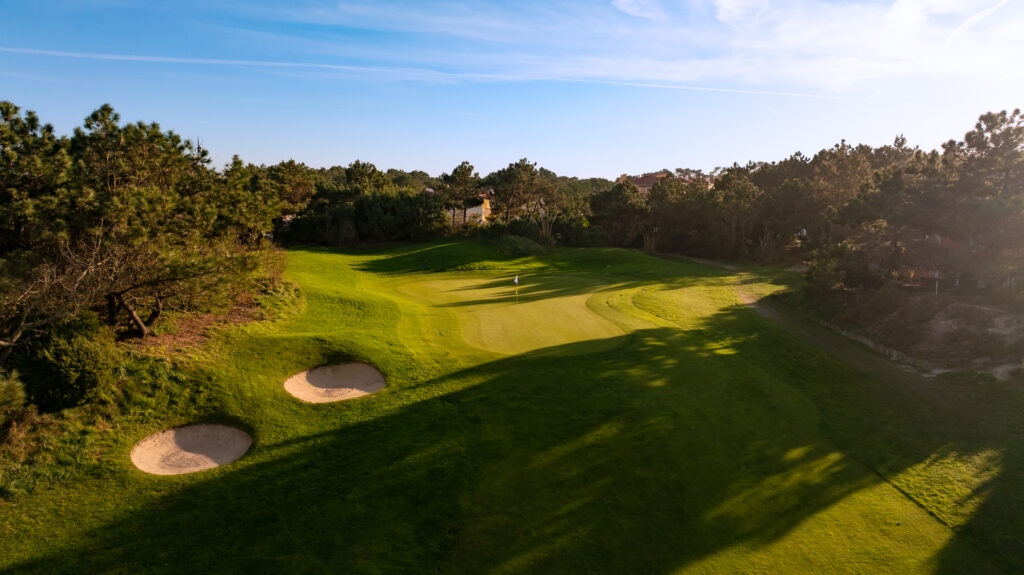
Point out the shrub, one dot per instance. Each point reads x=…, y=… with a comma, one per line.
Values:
x=823, y=274
x=520, y=246
x=837, y=267
x=12, y=395
x=77, y=361
x=404, y=215
x=575, y=231
x=525, y=227
x=323, y=222
x=494, y=231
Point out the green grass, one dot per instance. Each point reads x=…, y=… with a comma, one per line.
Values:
x=621, y=414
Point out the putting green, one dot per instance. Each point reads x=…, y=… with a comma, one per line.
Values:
x=492, y=317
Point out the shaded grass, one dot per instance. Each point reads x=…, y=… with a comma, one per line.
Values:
x=694, y=437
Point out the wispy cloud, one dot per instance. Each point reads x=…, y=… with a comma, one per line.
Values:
x=403, y=73
x=33, y=77
x=419, y=72
x=803, y=46
x=976, y=19
x=649, y=9
x=795, y=47
x=412, y=80
x=732, y=11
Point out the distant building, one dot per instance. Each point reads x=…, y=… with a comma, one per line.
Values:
x=479, y=214
x=645, y=182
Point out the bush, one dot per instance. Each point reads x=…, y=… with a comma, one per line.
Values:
x=575, y=231
x=323, y=222
x=837, y=267
x=270, y=273
x=525, y=227
x=494, y=231
x=520, y=246
x=405, y=215
x=76, y=362
x=12, y=395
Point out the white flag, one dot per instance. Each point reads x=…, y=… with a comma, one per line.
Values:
x=516, y=281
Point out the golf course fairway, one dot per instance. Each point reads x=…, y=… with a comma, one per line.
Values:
x=616, y=413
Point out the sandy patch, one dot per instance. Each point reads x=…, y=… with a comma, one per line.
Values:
x=189, y=449
x=335, y=382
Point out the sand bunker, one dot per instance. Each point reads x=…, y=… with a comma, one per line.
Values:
x=335, y=382
x=189, y=449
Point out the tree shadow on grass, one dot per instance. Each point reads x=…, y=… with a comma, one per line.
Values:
x=538, y=287
x=435, y=257
x=959, y=438
x=983, y=424
x=671, y=448
x=476, y=255
x=550, y=281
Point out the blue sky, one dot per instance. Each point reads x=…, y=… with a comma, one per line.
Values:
x=585, y=88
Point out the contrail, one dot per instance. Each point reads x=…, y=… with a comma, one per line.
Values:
x=206, y=61
x=419, y=71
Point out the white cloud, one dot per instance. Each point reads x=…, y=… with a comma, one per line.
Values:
x=649, y=9
x=733, y=11
x=909, y=14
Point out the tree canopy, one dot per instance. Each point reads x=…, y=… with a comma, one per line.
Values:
x=127, y=218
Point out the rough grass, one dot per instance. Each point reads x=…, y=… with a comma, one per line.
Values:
x=621, y=414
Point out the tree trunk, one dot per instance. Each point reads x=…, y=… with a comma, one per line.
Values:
x=155, y=314
x=650, y=241
x=545, y=227
x=767, y=241
x=144, y=326
x=9, y=344
x=112, y=309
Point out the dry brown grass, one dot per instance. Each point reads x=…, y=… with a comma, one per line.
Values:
x=191, y=332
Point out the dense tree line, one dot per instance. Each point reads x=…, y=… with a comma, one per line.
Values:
x=861, y=216
x=120, y=222
x=751, y=211
x=957, y=213
x=361, y=203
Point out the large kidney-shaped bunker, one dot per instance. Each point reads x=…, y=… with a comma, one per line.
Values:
x=335, y=382
x=189, y=449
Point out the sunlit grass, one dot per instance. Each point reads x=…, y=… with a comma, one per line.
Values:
x=622, y=414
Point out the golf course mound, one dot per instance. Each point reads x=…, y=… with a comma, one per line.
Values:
x=335, y=382
x=190, y=449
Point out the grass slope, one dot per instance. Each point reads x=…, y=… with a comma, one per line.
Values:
x=622, y=414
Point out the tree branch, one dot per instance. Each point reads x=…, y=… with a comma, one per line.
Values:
x=136, y=318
